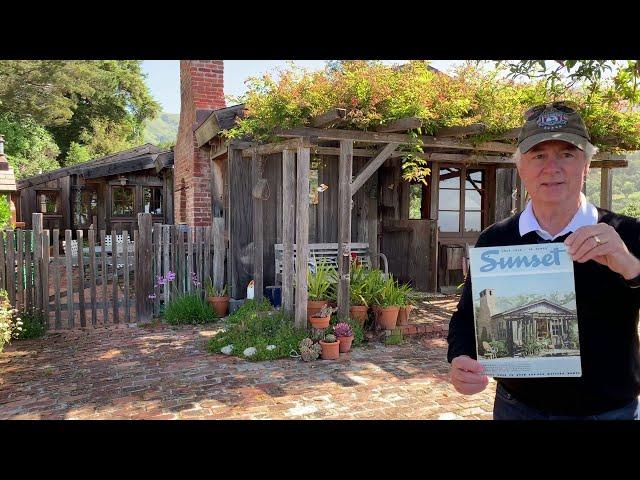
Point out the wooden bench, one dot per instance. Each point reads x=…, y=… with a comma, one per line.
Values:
x=329, y=252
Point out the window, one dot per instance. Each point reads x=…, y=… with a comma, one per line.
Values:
x=152, y=200
x=123, y=201
x=86, y=207
x=48, y=203
x=556, y=327
x=461, y=204
x=415, y=201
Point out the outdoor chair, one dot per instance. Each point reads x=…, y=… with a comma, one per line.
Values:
x=74, y=251
x=489, y=351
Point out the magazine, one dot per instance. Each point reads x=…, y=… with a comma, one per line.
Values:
x=524, y=306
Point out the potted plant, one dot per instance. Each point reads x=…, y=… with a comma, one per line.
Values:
x=344, y=333
x=217, y=297
x=358, y=293
x=389, y=301
x=330, y=347
x=408, y=298
x=322, y=318
x=319, y=287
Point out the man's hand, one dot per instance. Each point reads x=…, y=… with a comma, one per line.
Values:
x=602, y=244
x=466, y=375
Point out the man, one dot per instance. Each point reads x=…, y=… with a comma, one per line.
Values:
x=553, y=156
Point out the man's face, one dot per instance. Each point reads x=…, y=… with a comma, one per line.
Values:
x=553, y=172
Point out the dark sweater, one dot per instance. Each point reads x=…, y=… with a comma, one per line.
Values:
x=607, y=309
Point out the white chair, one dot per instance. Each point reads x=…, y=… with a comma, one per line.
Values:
x=74, y=251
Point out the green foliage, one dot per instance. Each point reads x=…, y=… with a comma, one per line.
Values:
x=29, y=147
x=214, y=291
x=10, y=326
x=501, y=348
x=162, y=130
x=375, y=94
x=320, y=283
x=390, y=295
x=5, y=212
x=256, y=324
x=190, y=309
x=395, y=338
x=77, y=154
x=99, y=104
x=33, y=325
x=533, y=347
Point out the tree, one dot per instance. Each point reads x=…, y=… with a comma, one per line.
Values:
x=99, y=104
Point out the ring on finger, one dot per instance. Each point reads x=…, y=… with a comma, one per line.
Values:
x=598, y=241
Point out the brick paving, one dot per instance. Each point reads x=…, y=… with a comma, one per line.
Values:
x=162, y=372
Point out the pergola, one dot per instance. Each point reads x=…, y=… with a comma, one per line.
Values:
x=447, y=145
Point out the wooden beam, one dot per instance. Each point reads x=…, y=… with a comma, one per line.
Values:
x=400, y=125
x=288, y=227
x=357, y=152
x=258, y=232
x=473, y=129
x=270, y=148
x=207, y=130
x=141, y=163
x=344, y=220
x=606, y=188
x=218, y=151
x=376, y=137
x=510, y=134
x=302, y=236
x=327, y=118
x=433, y=215
x=371, y=166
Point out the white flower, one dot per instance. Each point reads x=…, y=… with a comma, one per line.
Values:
x=249, y=352
x=271, y=347
x=227, y=350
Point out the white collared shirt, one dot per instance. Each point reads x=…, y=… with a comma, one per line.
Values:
x=587, y=214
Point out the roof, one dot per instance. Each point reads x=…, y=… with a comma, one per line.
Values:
x=535, y=305
x=138, y=158
x=216, y=121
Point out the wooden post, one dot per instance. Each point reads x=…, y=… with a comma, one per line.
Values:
x=28, y=261
x=344, y=225
x=144, y=271
x=217, y=231
x=288, y=227
x=3, y=275
x=83, y=317
x=166, y=232
x=114, y=262
x=157, y=235
x=20, y=296
x=11, y=266
x=36, y=219
x=93, y=272
x=70, y=313
x=105, y=278
x=45, y=277
x=302, y=236
x=258, y=230
x=190, y=286
x=606, y=187
x=435, y=247
x=57, y=273
x=125, y=255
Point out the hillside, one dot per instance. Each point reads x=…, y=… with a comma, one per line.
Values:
x=163, y=130
x=626, y=186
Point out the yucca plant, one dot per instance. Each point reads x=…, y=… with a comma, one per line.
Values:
x=319, y=284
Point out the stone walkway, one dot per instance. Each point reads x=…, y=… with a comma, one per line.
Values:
x=166, y=373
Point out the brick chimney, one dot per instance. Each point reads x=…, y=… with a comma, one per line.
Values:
x=201, y=91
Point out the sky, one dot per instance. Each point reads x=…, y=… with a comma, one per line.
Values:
x=163, y=76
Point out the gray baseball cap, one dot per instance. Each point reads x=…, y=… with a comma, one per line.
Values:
x=553, y=121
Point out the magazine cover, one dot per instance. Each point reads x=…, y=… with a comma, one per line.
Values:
x=524, y=303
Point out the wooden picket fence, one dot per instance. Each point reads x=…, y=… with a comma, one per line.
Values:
x=106, y=283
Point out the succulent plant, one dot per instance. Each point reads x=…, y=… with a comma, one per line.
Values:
x=309, y=351
x=305, y=343
x=330, y=338
x=343, y=329
x=325, y=311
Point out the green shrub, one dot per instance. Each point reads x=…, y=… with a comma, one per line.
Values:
x=321, y=284
x=501, y=348
x=33, y=325
x=395, y=338
x=189, y=309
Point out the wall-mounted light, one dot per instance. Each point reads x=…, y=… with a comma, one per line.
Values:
x=123, y=180
x=322, y=187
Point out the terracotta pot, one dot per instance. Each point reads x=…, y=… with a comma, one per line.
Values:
x=320, y=322
x=359, y=313
x=388, y=317
x=345, y=343
x=314, y=306
x=330, y=351
x=219, y=304
x=403, y=315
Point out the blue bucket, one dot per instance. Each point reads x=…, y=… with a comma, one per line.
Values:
x=274, y=294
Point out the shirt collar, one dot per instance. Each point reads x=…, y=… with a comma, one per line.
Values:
x=587, y=214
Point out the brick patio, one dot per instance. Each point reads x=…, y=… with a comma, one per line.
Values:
x=162, y=372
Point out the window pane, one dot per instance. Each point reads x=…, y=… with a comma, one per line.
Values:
x=472, y=221
x=472, y=200
x=48, y=203
x=123, y=201
x=476, y=177
x=449, y=199
x=415, y=202
x=86, y=208
x=449, y=178
x=449, y=221
x=152, y=200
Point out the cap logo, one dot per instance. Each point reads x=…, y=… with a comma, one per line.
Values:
x=552, y=119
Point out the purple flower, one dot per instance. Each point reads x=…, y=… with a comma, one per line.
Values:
x=161, y=280
x=152, y=296
x=171, y=276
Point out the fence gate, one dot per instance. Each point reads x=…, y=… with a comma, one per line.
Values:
x=105, y=278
